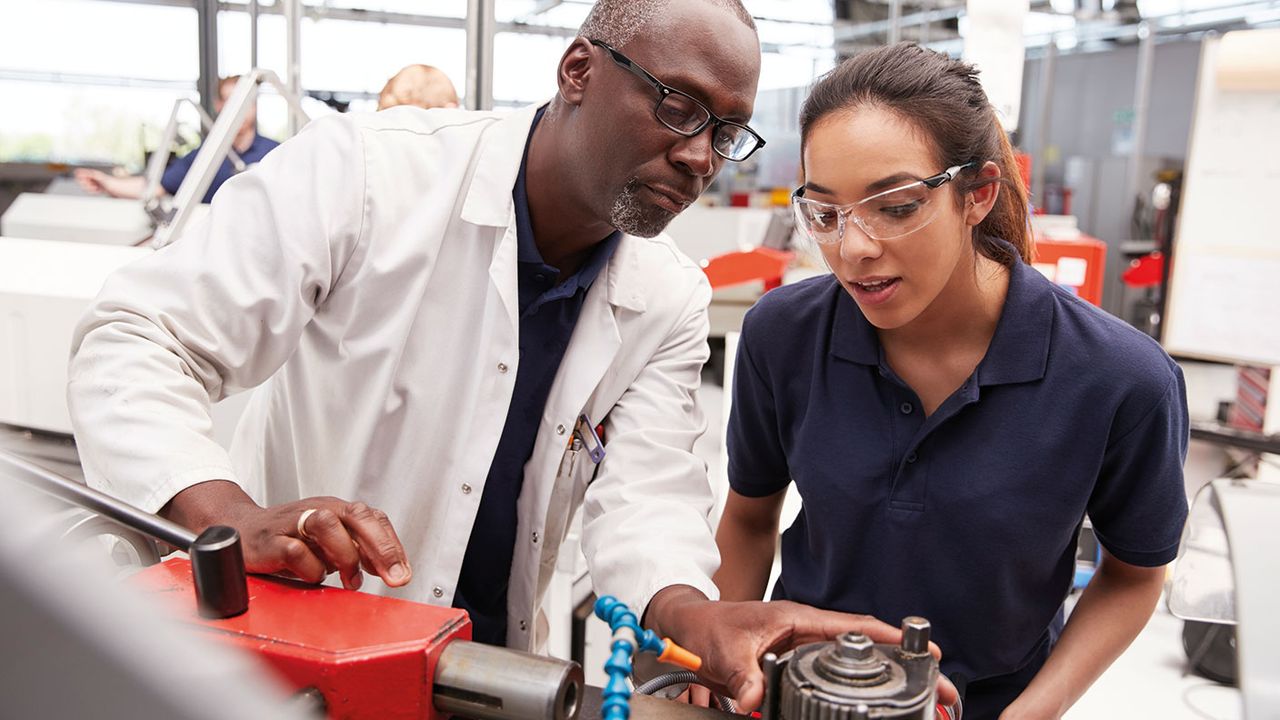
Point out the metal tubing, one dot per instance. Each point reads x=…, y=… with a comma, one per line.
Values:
x=217, y=562
x=481, y=28
x=101, y=503
x=1042, y=130
x=1141, y=103
x=492, y=683
x=207, y=47
x=253, y=34
x=293, y=60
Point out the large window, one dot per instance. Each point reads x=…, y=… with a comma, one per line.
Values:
x=85, y=80
x=93, y=80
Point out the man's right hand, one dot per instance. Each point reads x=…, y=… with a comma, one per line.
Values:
x=338, y=536
x=731, y=637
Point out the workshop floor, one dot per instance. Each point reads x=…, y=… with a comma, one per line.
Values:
x=1148, y=681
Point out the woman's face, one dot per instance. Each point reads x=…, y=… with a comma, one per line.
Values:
x=856, y=154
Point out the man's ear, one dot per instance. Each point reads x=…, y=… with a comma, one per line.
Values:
x=574, y=70
x=979, y=201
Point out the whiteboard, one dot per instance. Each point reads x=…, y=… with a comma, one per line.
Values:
x=1224, y=294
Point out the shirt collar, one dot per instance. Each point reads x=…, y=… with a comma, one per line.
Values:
x=1019, y=350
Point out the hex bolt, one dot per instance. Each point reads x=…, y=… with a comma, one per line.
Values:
x=855, y=646
x=915, y=635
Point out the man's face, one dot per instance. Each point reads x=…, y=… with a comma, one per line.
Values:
x=224, y=94
x=638, y=173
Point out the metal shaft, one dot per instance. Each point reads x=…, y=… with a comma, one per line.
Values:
x=483, y=682
x=217, y=561
x=101, y=503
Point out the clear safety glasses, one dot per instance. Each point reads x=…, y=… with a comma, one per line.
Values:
x=883, y=216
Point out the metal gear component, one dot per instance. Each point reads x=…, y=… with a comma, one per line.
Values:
x=853, y=678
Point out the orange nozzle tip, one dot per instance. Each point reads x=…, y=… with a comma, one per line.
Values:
x=678, y=656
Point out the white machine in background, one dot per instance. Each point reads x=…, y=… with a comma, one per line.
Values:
x=77, y=218
x=1226, y=575
x=117, y=221
x=56, y=251
x=45, y=288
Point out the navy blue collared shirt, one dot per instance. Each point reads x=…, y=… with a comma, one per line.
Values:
x=548, y=313
x=970, y=516
x=178, y=169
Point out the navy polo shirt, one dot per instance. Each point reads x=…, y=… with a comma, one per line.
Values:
x=173, y=175
x=548, y=313
x=968, y=517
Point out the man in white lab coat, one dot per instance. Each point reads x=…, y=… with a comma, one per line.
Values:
x=441, y=307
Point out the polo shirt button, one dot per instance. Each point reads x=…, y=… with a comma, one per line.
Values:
x=466, y=489
x=906, y=408
x=437, y=591
x=502, y=367
x=911, y=457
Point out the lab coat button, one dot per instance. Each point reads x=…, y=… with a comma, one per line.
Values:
x=466, y=489
x=523, y=626
x=535, y=537
x=559, y=429
x=437, y=591
x=502, y=367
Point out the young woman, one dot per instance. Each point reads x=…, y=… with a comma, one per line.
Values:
x=947, y=414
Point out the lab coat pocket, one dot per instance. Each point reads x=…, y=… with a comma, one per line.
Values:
x=566, y=495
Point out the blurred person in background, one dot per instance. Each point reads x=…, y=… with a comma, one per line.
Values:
x=248, y=144
x=418, y=85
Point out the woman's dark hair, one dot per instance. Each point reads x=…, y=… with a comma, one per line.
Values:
x=942, y=98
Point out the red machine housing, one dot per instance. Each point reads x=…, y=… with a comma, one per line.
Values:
x=1078, y=264
x=369, y=656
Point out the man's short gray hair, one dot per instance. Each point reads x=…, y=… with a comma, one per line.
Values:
x=617, y=22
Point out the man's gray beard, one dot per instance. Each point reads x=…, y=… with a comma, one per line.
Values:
x=633, y=216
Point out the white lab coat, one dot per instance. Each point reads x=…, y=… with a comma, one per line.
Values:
x=365, y=275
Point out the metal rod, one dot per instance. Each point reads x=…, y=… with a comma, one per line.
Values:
x=844, y=33
x=253, y=34
x=1141, y=103
x=293, y=59
x=207, y=46
x=1038, y=195
x=895, y=21
x=101, y=503
x=217, y=559
x=480, y=35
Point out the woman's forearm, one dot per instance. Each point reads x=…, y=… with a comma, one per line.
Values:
x=1112, y=611
x=747, y=538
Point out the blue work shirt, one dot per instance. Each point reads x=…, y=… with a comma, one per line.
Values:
x=968, y=517
x=548, y=313
x=177, y=170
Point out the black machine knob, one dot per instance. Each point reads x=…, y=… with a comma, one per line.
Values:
x=217, y=568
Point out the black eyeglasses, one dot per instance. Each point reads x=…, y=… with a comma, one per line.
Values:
x=682, y=114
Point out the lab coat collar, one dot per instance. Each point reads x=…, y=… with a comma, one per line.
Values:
x=489, y=202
